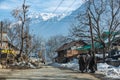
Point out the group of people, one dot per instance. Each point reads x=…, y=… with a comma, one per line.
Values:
x=87, y=63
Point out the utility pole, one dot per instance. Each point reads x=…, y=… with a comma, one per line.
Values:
x=1, y=33
x=43, y=47
x=92, y=39
x=91, y=31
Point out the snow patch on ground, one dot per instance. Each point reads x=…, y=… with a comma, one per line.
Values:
x=104, y=68
x=70, y=65
x=108, y=70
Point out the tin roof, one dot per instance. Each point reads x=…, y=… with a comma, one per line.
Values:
x=67, y=46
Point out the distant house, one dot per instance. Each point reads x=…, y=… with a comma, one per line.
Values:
x=116, y=42
x=5, y=42
x=7, y=50
x=115, y=52
x=68, y=51
x=115, y=47
x=99, y=47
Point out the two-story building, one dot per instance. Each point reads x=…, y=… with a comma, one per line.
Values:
x=67, y=51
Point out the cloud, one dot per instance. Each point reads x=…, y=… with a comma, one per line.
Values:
x=41, y=6
x=4, y=7
x=9, y=4
x=66, y=6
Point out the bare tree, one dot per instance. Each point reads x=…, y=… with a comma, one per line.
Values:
x=36, y=43
x=21, y=16
x=54, y=43
x=114, y=20
x=98, y=17
x=1, y=30
x=14, y=34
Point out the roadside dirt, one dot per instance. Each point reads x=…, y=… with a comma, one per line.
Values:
x=45, y=73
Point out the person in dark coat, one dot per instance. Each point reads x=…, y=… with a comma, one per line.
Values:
x=87, y=61
x=81, y=63
x=92, y=64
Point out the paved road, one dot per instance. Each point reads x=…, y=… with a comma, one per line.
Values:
x=44, y=73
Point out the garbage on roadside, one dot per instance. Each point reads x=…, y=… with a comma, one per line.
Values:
x=22, y=65
x=13, y=62
x=25, y=65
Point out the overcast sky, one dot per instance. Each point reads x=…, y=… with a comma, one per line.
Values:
x=41, y=6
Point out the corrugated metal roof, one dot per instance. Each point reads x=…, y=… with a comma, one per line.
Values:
x=67, y=46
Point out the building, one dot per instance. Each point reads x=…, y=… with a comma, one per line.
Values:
x=67, y=51
x=114, y=50
x=7, y=50
x=5, y=42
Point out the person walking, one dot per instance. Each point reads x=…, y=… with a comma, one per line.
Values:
x=81, y=63
x=87, y=61
x=92, y=64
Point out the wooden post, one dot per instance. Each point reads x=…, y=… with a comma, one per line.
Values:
x=1, y=33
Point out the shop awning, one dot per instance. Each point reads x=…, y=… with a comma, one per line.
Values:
x=88, y=47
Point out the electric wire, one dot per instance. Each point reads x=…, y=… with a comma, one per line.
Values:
x=45, y=22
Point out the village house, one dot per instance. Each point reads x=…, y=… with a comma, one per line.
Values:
x=7, y=49
x=116, y=42
x=115, y=52
x=5, y=42
x=67, y=51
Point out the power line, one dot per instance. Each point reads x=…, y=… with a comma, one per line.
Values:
x=69, y=6
x=58, y=6
x=65, y=11
x=53, y=12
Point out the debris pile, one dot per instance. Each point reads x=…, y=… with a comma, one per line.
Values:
x=24, y=65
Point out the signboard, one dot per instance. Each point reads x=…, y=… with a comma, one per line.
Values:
x=8, y=51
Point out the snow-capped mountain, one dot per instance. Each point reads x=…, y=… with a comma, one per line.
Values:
x=48, y=24
x=38, y=17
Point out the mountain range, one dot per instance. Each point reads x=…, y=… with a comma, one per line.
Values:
x=48, y=24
